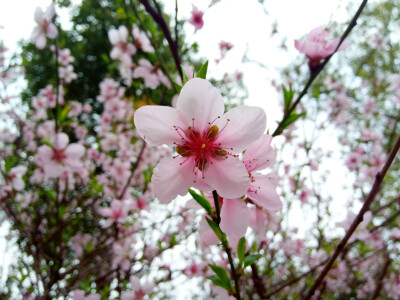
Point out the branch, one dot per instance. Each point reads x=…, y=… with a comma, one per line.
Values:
x=315, y=71
x=159, y=19
x=379, y=285
x=134, y=167
x=374, y=191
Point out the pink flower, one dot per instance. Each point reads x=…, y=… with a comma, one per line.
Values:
x=197, y=18
x=153, y=76
x=316, y=47
x=141, y=40
x=116, y=213
x=44, y=26
x=121, y=48
x=206, y=140
x=61, y=156
x=64, y=57
x=67, y=73
x=235, y=215
x=15, y=175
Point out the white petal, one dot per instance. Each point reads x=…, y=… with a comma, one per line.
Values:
x=228, y=176
x=263, y=193
x=172, y=177
x=235, y=218
x=155, y=124
x=244, y=125
x=201, y=101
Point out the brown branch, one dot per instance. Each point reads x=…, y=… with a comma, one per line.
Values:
x=315, y=71
x=379, y=285
x=159, y=19
x=374, y=191
x=134, y=167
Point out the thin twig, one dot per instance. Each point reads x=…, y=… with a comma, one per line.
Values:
x=133, y=169
x=374, y=191
x=315, y=71
x=159, y=19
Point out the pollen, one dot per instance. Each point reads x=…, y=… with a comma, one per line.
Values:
x=203, y=146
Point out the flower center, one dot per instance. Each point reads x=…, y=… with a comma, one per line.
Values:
x=59, y=155
x=202, y=146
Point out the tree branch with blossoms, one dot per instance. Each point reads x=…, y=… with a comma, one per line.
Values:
x=359, y=218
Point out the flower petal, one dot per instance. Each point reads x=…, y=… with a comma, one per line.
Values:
x=240, y=127
x=60, y=141
x=201, y=101
x=228, y=176
x=235, y=218
x=155, y=124
x=172, y=177
x=263, y=193
x=260, y=154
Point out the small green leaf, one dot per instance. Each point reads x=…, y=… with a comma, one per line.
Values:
x=241, y=250
x=201, y=200
x=222, y=276
x=10, y=162
x=185, y=77
x=215, y=279
x=291, y=119
x=178, y=87
x=202, y=73
x=251, y=259
x=288, y=96
x=214, y=226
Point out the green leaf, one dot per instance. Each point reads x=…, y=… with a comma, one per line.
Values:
x=201, y=200
x=215, y=279
x=178, y=87
x=222, y=276
x=241, y=250
x=185, y=77
x=291, y=119
x=214, y=226
x=251, y=259
x=64, y=113
x=10, y=162
x=288, y=96
x=202, y=73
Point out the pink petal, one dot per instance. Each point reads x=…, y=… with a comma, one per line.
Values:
x=260, y=154
x=245, y=125
x=201, y=101
x=207, y=236
x=52, y=31
x=40, y=41
x=39, y=15
x=228, y=176
x=155, y=124
x=263, y=193
x=171, y=179
x=60, y=141
x=74, y=151
x=113, y=36
x=235, y=218
x=18, y=184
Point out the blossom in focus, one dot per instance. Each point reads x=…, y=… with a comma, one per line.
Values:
x=61, y=156
x=197, y=18
x=235, y=215
x=206, y=140
x=316, y=46
x=44, y=26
